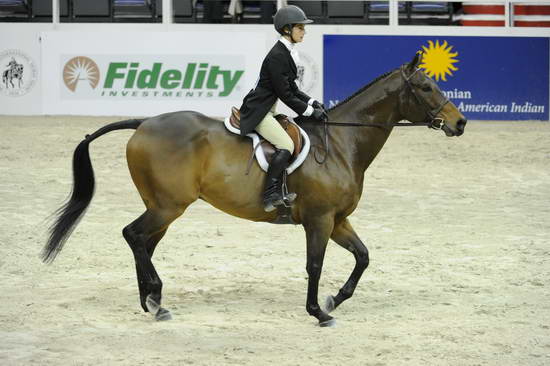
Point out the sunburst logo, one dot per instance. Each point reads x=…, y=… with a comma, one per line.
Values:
x=80, y=69
x=439, y=60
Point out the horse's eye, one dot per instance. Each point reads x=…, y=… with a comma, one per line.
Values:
x=427, y=88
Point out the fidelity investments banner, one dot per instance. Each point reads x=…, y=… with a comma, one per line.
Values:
x=151, y=78
x=147, y=73
x=487, y=78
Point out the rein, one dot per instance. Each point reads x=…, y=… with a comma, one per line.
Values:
x=435, y=123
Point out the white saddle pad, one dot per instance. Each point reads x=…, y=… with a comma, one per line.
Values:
x=259, y=152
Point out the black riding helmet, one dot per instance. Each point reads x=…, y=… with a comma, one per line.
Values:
x=289, y=15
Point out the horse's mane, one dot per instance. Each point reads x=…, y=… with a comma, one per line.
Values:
x=361, y=90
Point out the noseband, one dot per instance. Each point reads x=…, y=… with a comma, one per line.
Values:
x=435, y=122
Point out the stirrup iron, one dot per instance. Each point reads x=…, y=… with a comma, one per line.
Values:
x=288, y=198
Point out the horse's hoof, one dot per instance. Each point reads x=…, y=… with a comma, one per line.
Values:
x=328, y=323
x=163, y=314
x=152, y=305
x=154, y=308
x=329, y=304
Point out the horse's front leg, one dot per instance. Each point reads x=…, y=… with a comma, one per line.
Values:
x=345, y=236
x=318, y=230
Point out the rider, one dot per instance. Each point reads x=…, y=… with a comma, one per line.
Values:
x=277, y=81
x=12, y=64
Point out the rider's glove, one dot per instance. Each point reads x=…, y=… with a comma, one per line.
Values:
x=317, y=104
x=319, y=114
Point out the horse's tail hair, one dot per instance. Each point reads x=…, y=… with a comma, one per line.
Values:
x=68, y=215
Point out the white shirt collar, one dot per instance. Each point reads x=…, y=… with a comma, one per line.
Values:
x=290, y=46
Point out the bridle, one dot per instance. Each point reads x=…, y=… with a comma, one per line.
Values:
x=434, y=122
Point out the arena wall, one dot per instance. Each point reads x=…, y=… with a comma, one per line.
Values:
x=491, y=73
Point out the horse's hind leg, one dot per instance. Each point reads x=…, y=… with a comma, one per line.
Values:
x=344, y=235
x=142, y=236
x=142, y=277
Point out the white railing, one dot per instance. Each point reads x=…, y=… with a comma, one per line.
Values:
x=167, y=16
x=55, y=12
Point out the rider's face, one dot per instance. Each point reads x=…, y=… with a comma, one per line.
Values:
x=298, y=32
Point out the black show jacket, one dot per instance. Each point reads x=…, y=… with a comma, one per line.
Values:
x=277, y=80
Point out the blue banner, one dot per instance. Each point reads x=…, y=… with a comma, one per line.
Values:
x=487, y=78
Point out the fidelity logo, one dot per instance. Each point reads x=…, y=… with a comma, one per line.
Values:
x=18, y=73
x=81, y=70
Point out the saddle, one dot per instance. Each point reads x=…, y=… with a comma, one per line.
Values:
x=291, y=129
x=263, y=150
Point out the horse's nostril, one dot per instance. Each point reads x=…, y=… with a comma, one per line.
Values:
x=460, y=125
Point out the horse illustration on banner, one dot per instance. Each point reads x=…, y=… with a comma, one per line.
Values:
x=14, y=71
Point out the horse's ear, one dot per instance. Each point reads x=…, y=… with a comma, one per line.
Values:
x=413, y=65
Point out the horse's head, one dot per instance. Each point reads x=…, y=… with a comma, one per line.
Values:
x=422, y=100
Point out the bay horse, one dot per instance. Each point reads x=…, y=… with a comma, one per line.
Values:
x=176, y=158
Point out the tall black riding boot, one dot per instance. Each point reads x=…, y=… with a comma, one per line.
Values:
x=273, y=193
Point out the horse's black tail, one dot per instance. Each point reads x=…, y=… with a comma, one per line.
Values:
x=68, y=215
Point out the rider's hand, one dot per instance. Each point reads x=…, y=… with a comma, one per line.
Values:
x=317, y=104
x=319, y=114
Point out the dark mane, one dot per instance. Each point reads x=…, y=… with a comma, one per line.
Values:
x=361, y=90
